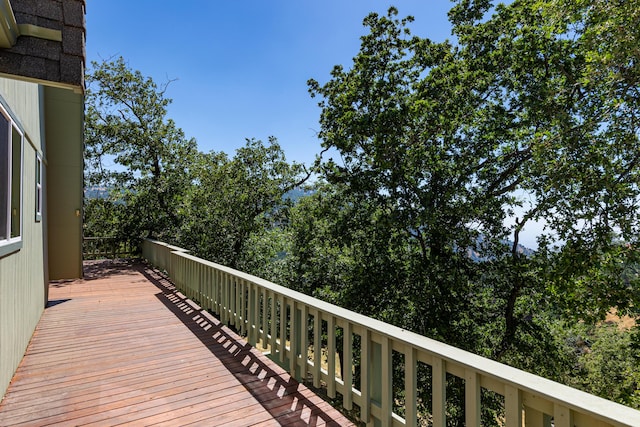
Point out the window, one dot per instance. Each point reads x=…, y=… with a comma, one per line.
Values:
x=10, y=184
x=38, y=187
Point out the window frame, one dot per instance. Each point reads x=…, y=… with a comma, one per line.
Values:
x=12, y=242
x=38, y=188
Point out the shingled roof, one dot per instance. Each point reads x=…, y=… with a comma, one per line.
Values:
x=44, y=41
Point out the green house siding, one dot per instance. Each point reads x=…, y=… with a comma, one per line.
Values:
x=45, y=109
x=23, y=278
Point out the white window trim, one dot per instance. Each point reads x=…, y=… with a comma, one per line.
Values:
x=38, y=189
x=13, y=244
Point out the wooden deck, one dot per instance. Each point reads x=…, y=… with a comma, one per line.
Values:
x=123, y=347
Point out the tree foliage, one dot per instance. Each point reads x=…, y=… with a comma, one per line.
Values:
x=445, y=153
x=132, y=148
x=160, y=185
x=447, y=143
x=233, y=199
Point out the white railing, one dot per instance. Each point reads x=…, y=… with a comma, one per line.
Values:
x=286, y=322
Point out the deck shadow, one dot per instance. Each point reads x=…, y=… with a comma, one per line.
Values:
x=53, y=303
x=104, y=268
x=276, y=391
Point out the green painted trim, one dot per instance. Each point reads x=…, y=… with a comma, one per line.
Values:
x=10, y=248
x=40, y=32
x=9, y=31
x=15, y=119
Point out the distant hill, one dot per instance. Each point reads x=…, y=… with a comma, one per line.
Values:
x=475, y=256
x=297, y=193
x=96, y=192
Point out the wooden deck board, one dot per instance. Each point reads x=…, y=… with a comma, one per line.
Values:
x=122, y=347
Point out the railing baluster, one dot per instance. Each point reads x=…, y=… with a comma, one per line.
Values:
x=253, y=316
x=386, y=371
x=191, y=280
x=205, y=286
x=201, y=282
x=512, y=406
x=218, y=302
x=235, y=301
x=439, y=392
x=347, y=345
x=243, y=308
x=215, y=290
x=472, y=398
x=331, y=356
x=562, y=416
x=317, y=348
x=265, y=312
x=195, y=288
x=410, y=386
x=283, y=329
x=274, y=324
x=532, y=417
x=365, y=362
x=294, y=334
x=225, y=290
x=304, y=340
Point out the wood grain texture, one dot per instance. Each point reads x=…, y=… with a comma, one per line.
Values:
x=123, y=347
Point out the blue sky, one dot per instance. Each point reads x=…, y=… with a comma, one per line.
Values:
x=242, y=66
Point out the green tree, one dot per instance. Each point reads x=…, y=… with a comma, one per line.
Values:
x=443, y=149
x=605, y=359
x=234, y=199
x=450, y=142
x=133, y=149
x=558, y=111
x=403, y=165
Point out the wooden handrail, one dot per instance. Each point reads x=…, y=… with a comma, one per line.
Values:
x=109, y=248
x=279, y=319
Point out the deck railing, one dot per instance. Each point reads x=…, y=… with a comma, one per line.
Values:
x=301, y=333
x=109, y=248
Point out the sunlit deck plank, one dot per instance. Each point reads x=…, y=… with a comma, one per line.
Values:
x=122, y=346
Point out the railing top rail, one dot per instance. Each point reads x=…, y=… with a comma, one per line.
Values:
x=171, y=247
x=572, y=398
